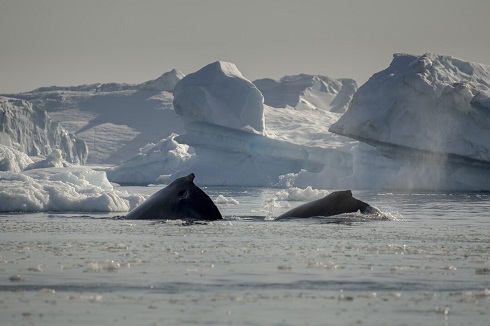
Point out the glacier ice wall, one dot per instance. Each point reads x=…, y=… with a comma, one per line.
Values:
x=29, y=129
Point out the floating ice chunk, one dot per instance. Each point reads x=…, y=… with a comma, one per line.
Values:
x=226, y=200
x=62, y=190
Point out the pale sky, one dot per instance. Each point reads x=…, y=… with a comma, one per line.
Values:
x=68, y=42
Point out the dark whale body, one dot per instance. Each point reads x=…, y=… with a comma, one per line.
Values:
x=183, y=200
x=180, y=200
x=337, y=202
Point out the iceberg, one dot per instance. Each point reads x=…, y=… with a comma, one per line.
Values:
x=225, y=126
x=228, y=156
x=155, y=163
x=304, y=92
x=68, y=189
x=430, y=115
x=30, y=130
x=114, y=120
x=232, y=138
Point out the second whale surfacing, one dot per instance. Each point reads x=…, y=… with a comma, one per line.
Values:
x=338, y=202
x=180, y=200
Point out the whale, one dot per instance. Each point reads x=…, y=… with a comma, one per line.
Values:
x=180, y=200
x=335, y=203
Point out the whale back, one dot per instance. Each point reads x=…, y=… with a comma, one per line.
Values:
x=338, y=202
x=181, y=199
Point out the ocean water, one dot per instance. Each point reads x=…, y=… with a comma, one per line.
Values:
x=428, y=263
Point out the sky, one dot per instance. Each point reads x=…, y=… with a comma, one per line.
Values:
x=71, y=42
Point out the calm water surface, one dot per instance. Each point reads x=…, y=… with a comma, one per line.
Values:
x=427, y=265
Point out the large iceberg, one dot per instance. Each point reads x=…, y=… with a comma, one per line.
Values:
x=30, y=130
x=431, y=115
x=224, y=115
x=232, y=138
x=115, y=120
